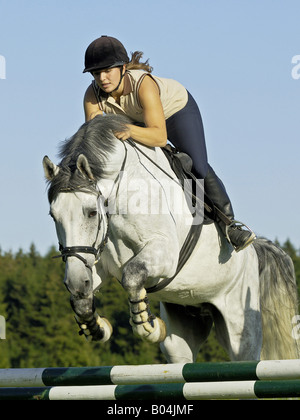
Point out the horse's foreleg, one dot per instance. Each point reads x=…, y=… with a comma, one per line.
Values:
x=93, y=326
x=143, y=323
x=81, y=283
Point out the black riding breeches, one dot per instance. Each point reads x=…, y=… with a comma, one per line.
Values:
x=185, y=131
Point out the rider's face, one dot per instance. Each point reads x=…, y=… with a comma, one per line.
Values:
x=107, y=79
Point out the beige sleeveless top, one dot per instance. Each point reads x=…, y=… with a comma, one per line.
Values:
x=173, y=96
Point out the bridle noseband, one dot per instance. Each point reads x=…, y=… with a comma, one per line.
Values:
x=71, y=251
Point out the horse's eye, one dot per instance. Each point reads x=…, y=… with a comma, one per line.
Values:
x=93, y=213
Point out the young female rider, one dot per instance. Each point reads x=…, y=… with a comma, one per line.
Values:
x=166, y=110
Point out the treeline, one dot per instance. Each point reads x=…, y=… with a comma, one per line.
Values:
x=40, y=326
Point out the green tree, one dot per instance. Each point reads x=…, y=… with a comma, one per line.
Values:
x=40, y=326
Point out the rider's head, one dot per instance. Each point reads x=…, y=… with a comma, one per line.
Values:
x=103, y=53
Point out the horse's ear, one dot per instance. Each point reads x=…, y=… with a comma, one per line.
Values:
x=50, y=169
x=84, y=167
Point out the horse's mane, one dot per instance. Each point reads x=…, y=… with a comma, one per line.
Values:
x=95, y=140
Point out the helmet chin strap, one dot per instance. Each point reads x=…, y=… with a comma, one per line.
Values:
x=121, y=78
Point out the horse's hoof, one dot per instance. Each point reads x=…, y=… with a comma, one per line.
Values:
x=154, y=332
x=160, y=331
x=106, y=329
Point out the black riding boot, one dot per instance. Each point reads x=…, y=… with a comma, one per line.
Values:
x=215, y=190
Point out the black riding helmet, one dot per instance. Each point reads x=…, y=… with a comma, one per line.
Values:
x=105, y=52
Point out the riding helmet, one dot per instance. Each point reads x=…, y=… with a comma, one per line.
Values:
x=105, y=52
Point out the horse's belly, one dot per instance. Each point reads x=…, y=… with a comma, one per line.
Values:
x=210, y=273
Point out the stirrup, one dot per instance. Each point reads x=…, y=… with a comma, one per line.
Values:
x=239, y=224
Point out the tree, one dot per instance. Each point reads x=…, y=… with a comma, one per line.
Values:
x=40, y=326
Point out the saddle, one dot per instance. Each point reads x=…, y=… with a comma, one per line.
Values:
x=182, y=164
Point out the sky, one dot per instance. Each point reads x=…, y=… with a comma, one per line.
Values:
x=238, y=58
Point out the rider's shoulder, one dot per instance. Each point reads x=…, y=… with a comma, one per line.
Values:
x=89, y=93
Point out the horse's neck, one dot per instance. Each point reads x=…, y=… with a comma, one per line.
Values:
x=144, y=185
x=114, y=164
x=154, y=158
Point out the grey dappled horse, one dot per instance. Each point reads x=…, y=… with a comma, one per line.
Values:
x=117, y=216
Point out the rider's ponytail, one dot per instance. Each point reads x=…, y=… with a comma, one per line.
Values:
x=135, y=64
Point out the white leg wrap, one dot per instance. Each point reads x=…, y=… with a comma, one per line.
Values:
x=143, y=323
x=103, y=323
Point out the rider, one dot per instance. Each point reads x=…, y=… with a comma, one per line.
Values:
x=166, y=110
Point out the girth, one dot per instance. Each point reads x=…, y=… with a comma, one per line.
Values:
x=185, y=253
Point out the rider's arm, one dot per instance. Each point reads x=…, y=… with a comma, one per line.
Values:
x=91, y=107
x=155, y=132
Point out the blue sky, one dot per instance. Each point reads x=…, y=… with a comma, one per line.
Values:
x=234, y=56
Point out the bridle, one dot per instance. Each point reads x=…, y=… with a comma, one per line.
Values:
x=73, y=251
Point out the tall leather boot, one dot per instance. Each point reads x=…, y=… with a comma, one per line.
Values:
x=233, y=230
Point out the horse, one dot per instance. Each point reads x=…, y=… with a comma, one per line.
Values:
x=114, y=208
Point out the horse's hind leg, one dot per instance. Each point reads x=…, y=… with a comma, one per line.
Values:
x=185, y=333
x=239, y=329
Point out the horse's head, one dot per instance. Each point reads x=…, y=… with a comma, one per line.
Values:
x=91, y=155
x=80, y=221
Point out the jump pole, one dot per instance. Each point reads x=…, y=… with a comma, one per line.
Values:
x=151, y=374
x=174, y=392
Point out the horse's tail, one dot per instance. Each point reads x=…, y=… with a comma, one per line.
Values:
x=279, y=301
